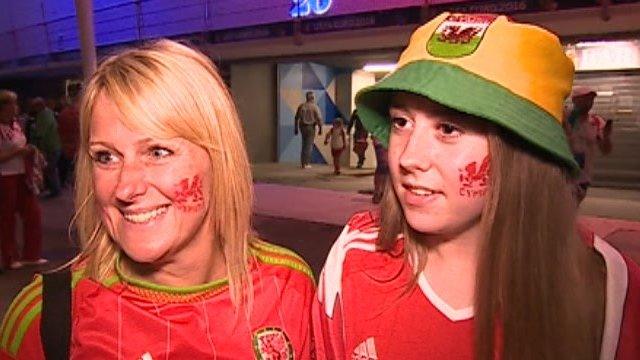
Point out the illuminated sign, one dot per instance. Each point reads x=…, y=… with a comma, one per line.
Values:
x=302, y=8
x=605, y=55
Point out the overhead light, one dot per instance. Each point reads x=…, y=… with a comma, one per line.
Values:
x=380, y=67
x=604, y=93
x=587, y=44
x=605, y=55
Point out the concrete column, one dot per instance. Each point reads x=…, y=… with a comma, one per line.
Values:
x=84, y=14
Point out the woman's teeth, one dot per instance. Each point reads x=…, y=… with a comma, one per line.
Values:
x=144, y=217
x=421, y=192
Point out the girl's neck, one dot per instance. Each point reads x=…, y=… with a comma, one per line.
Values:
x=464, y=244
x=451, y=266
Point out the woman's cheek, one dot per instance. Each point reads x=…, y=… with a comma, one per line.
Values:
x=188, y=195
x=474, y=178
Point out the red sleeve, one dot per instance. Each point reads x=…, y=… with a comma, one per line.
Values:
x=328, y=305
x=299, y=322
x=30, y=346
x=328, y=331
x=20, y=330
x=629, y=341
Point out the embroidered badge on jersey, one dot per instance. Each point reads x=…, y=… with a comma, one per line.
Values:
x=459, y=35
x=271, y=343
x=365, y=351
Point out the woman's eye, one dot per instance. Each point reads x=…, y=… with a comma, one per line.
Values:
x=104, y=157
x=160, y=152
x=399, y=122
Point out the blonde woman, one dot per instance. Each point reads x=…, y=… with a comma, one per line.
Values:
x=169, y=267
x=475, y=253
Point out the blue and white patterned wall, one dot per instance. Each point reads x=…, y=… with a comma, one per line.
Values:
x=294, y=80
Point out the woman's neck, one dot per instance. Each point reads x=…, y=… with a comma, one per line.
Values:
x=184, y=270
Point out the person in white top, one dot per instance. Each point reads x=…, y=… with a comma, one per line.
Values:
x=14, y=192
x=338, y=142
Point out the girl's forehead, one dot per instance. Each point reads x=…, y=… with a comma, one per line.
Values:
x=409, y=101
x=416, y=104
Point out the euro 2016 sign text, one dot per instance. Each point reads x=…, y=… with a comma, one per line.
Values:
x=302, y=8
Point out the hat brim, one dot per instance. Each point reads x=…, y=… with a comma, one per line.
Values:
x=459, y=89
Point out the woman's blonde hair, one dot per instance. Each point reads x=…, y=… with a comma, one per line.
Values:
x=167, y=90
x=539, y=291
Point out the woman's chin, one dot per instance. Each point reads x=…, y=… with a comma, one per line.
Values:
x=144, y=255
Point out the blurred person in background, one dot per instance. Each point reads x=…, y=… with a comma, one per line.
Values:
x=44, y=135
x=15, y=195
x=169, y=265
x=587, y=134
x=307, y=118
x=381, y=174
x=69, y=131
x=360, y=136
x=338, y=140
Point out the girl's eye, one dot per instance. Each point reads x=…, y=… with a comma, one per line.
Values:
x=399, y=122
x=449, y=130
x=160, y=152
x=104, y=157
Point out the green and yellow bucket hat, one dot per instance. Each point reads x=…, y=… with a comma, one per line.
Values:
x=513, y=75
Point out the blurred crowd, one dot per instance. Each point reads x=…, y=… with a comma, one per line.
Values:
x=38, y=142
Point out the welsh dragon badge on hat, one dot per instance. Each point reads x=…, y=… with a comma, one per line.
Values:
x=459, y=35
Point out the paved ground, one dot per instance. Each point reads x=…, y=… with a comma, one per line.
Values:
x=306, y=209
x=600, y=202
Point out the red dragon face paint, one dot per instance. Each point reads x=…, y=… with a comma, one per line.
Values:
x=473, y=180
x=188, y=195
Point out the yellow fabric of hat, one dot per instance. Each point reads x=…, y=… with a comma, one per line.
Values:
x=512, y=74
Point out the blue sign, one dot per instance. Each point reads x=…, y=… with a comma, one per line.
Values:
x=302, y=8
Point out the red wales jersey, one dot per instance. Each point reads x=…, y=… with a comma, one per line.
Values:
x=364, y=310
x=125, y=319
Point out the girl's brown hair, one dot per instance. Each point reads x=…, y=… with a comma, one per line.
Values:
x=539, y=290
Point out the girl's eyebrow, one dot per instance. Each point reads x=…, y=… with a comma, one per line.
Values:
x=397, y=107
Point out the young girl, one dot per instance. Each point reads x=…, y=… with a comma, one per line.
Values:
x=475, y=253
x=169, y=266
x=338, y=143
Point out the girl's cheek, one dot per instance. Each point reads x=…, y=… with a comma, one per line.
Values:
x=474, y=179
x=188, y=195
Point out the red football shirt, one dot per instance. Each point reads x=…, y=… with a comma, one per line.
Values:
x=364, y=309
x=123, y=319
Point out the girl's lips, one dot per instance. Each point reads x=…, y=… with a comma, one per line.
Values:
x=412, y=199
x=419, y=195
